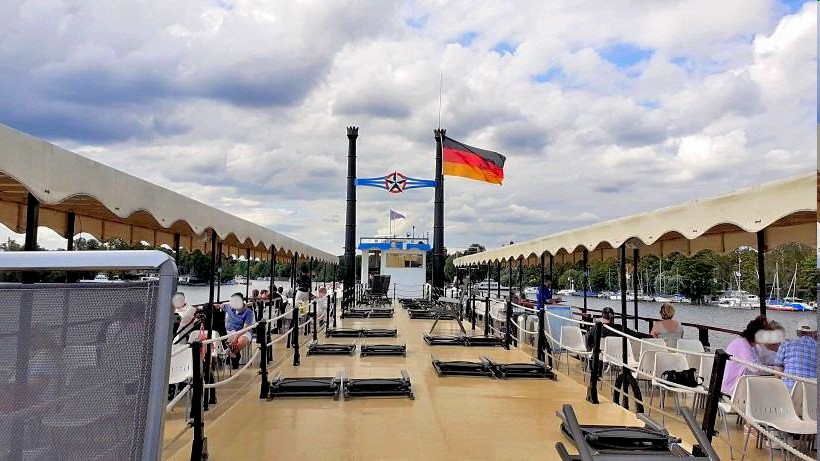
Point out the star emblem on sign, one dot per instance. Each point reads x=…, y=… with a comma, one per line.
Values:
x=395, y=182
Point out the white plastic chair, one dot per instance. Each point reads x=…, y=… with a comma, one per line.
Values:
x=613, y=351
x=651, y=344
x=665, y=361
x=769, y=404
x=691, y=345
x=572, y=342
x=804, y=398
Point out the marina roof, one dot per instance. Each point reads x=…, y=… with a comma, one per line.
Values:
x=109, y=203
x=786, y=209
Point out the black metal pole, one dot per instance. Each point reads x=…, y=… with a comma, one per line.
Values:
x=586, y=278
x=334, y=296
x=262, y=339
x=714, y=397
x=498, y=286
x=69, y=231
x=210, y=394
x=349, y=293
x=635, y=256
x=472, y=303
x=595, y=363
x=622, y=267
x=508, y=323
x=540, y=303
x=521, y=277
x=438, y=217
x=487, y=314
x=271, y=285
x=761, y=270
x=32, y=222
x=247, y=272
x=218, y=270
x=469, y=286
x=295, y=315
x=199, y=450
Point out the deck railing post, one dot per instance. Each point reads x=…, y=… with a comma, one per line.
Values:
x=712, y=400
x=262, y=339
x=595, y=363
x=508, y=324
x=540, y=343
x=487, y=314
x=199, y=446
x=315, y=320
x=295, y=324
x=703, y=336
x=472, y=308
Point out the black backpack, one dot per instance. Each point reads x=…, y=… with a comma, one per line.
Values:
x=688, y=378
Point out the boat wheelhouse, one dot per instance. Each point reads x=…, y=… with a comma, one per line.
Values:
x=403, y=260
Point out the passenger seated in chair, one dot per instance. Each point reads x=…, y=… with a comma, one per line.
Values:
x=545, y=293
x=264, y=295
x=303, y=287
x=186, y=312
x=608, y=318
x=254, y=295
x=668, y=329
x=743, y=347
x=237, y=317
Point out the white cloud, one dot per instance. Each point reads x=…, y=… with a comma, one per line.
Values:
x=242, y=104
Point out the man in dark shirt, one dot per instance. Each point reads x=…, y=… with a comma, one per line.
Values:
x=608, y=318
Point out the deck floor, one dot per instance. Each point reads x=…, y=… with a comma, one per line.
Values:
x=450, y=418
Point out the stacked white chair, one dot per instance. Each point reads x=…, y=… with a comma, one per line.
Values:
x=769, y=404
x=665, y=361
x=572, y=342
x=691, y=345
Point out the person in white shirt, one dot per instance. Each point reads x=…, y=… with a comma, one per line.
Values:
x=186, y=312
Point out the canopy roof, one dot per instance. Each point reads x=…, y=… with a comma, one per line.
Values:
x=111, y=204
x=786, y=209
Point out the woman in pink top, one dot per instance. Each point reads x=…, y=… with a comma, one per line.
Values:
x=743, y=348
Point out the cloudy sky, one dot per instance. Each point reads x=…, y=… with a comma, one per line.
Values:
x=603, y=108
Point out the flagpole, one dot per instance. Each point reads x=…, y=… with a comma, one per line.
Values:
x=438, y=218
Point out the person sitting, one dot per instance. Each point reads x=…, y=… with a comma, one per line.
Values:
x=186, y=313
x=743, y=347
x=769, y=343
x=303, y=287
x=608, y=318
x=668, y=329
x=545, y=293
x=237, y=317
x=799, y=356
x=254, y=295
x=264, y=295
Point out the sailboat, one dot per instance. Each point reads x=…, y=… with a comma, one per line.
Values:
x=789, y=303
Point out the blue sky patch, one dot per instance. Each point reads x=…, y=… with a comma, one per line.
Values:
x=466, y=39
x=624, y=54
x=417, y=22
x=553, y=73
x=650, y=103
x=794, y=5
x=505, y=47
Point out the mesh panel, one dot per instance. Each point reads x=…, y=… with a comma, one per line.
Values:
x=74, y=379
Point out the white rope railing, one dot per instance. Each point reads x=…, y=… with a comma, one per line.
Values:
x=773, y=371
x=772, y=438
x=520, y=328
x=524, y=308
x=280, y=316
x=657, y=345
x=177, y=398
x=281, y=337
x=569, y=319
x=232, y=334
x=234, y=376
x=306, y=322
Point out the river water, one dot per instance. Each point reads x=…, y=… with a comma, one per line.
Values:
x=725, y=317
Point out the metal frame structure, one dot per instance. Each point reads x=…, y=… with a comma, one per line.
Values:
x=31, y=261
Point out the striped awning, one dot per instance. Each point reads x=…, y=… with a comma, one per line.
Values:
x=108, y=203
x=786, y=210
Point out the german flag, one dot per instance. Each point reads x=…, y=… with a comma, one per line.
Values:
x=472, y=162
